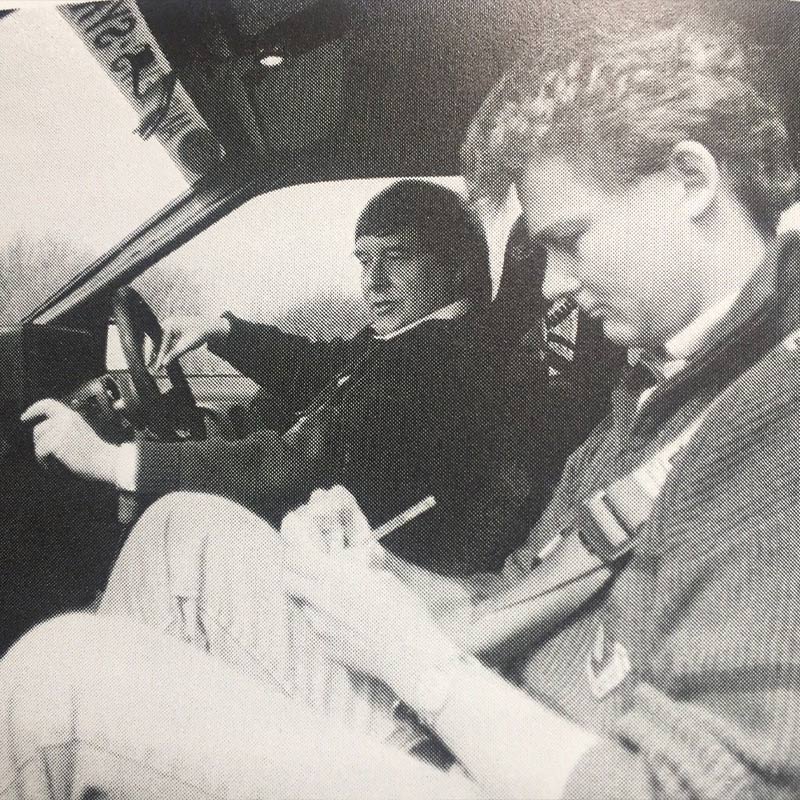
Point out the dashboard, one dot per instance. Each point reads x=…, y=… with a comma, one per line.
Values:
x=58, y=535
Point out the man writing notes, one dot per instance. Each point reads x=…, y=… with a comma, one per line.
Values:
x=654, y=167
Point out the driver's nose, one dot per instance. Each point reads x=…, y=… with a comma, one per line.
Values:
x=374, y=276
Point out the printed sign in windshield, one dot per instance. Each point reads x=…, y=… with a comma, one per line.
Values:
x=118, y=37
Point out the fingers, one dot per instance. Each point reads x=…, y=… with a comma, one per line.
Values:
x=351, y=518
x=181, y=334
x=161, y=357
x=62, y=433
x=336, y=513
x=42, y=408
x=46, y=440
x=173, y=338
x=295, y=527
x=326, y=523
x=331, y=522
x=48, y=434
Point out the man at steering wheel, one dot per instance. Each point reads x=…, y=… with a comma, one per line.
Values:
x=404, y=410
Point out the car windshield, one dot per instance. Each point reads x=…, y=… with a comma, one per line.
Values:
x=84, y=176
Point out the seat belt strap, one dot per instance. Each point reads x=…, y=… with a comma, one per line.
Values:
x=610, y=519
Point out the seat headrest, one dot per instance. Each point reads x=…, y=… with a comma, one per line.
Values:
x=519, y=305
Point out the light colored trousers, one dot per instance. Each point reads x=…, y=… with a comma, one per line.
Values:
x=116, y=705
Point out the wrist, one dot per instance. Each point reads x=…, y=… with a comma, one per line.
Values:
x=435, y=683
x=420, y=662
x=107, y=463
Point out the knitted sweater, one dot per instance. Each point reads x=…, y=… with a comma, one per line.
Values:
x=707, y=611
x=394, y=421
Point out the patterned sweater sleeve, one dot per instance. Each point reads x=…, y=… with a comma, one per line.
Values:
x=716, y=712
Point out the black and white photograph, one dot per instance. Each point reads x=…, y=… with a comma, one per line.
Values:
x=400, y=399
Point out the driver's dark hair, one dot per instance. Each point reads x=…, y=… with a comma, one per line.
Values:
x=445, y=224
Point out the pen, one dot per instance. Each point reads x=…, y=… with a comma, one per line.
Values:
x=402, y=518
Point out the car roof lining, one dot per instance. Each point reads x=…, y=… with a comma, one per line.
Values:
x=410, y=73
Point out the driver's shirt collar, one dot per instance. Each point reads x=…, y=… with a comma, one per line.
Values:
x=452, y=311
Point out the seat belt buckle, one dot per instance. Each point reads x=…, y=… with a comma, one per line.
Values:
x=601, y=530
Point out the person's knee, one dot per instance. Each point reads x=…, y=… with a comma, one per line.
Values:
x=170, y=507
x=193, y=513
x=185, y=541
x=51, y=648
x=175, y=516
x=42, y=672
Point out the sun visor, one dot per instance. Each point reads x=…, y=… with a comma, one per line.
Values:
x=251, y=17
x=119, y=38
x=296, y=82
x=299, y=103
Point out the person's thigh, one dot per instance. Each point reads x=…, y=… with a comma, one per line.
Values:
x=229, y=563
x=202, y=553
x=89, y=703
x=166, y=555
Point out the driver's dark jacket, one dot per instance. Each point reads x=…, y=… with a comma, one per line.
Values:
x=392, y=420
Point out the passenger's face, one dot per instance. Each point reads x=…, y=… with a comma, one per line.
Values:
x=401, y=280
x=626, y=256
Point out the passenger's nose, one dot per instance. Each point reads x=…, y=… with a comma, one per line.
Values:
x=558, y=283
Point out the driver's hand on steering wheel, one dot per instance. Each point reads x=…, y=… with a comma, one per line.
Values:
x=180, y=334
x=62, y=433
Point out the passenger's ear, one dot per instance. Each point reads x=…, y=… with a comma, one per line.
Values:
x=698, y=176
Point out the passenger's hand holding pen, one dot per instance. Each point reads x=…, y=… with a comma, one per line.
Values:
x=368, y=619
x=356, y=596
x=333, y=522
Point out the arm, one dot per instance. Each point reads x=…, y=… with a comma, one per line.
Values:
x=381, y=623
x=258, y=471
x=252, y=471
x=282, y=363
x=274, y=359
x=700, y=739
x=518, y=614
x=372, y=622
x=718, y=712
x=479, y=709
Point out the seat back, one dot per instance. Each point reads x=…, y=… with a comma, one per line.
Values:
x=559, y=372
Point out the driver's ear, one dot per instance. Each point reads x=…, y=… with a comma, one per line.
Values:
x=697, y=174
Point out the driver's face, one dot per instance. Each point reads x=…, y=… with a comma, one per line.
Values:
x=402, y=280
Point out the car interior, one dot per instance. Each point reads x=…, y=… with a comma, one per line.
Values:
x=249, y=97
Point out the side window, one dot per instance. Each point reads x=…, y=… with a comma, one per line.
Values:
x=283, y=258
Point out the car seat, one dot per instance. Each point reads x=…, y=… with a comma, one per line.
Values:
x=559, y=371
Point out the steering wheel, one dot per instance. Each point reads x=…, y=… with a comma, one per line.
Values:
x=172, y=415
